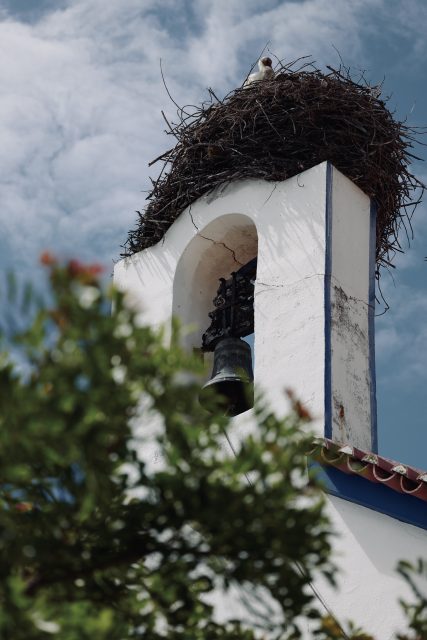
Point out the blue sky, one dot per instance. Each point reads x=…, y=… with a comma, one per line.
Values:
x=80, y=119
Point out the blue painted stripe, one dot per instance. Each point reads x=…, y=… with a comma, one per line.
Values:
x=371, y=495
x=371, y=325
x=327, y=301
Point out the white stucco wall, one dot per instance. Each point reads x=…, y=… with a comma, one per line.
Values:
x=286, y=223
x=367, y=549
x=351, y=264
x=368, y=546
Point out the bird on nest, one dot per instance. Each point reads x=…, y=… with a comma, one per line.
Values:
x=265, y=72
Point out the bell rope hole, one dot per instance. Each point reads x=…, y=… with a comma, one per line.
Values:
x=225, y=245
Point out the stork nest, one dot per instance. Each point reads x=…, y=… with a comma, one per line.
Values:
x=275, y=129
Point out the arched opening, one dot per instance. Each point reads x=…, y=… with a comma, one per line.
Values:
x=223, y=246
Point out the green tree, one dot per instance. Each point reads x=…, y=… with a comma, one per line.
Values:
x=97, y=539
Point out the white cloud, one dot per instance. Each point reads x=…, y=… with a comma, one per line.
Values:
x=80, y=119
x=78, y=126
x=407, y=19
x=82, y=94
x=291, y=29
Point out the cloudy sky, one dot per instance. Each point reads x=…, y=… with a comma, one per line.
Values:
x=80, y=103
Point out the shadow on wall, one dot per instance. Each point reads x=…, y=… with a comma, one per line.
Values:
x=222, y=246
x=381, y=539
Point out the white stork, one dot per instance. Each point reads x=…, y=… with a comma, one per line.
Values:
x=265, y=72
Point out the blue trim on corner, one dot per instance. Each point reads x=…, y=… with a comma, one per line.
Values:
x=374, y=496
x=371, y=325
x=327, y=301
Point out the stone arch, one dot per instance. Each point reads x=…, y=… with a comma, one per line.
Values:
x=222, y=246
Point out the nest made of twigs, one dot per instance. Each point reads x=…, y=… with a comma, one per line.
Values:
x=275, y=129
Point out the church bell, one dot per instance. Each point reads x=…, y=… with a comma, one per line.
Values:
x=232, y=377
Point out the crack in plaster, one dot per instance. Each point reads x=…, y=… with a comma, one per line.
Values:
x=267, y=284
x=233, y=253
x=286, y=284
x=296, y=282
x=271, y=193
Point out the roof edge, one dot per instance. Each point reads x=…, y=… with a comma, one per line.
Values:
x=371, y=481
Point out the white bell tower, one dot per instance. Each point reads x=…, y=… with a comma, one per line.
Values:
x=314, y=235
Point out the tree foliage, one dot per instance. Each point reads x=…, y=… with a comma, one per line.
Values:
x=123, y=513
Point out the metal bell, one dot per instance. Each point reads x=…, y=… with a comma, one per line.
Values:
x=232, y=377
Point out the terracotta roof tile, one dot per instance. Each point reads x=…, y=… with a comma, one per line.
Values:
x=372, y=467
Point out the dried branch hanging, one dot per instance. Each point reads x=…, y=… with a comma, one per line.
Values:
x=278, y=128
